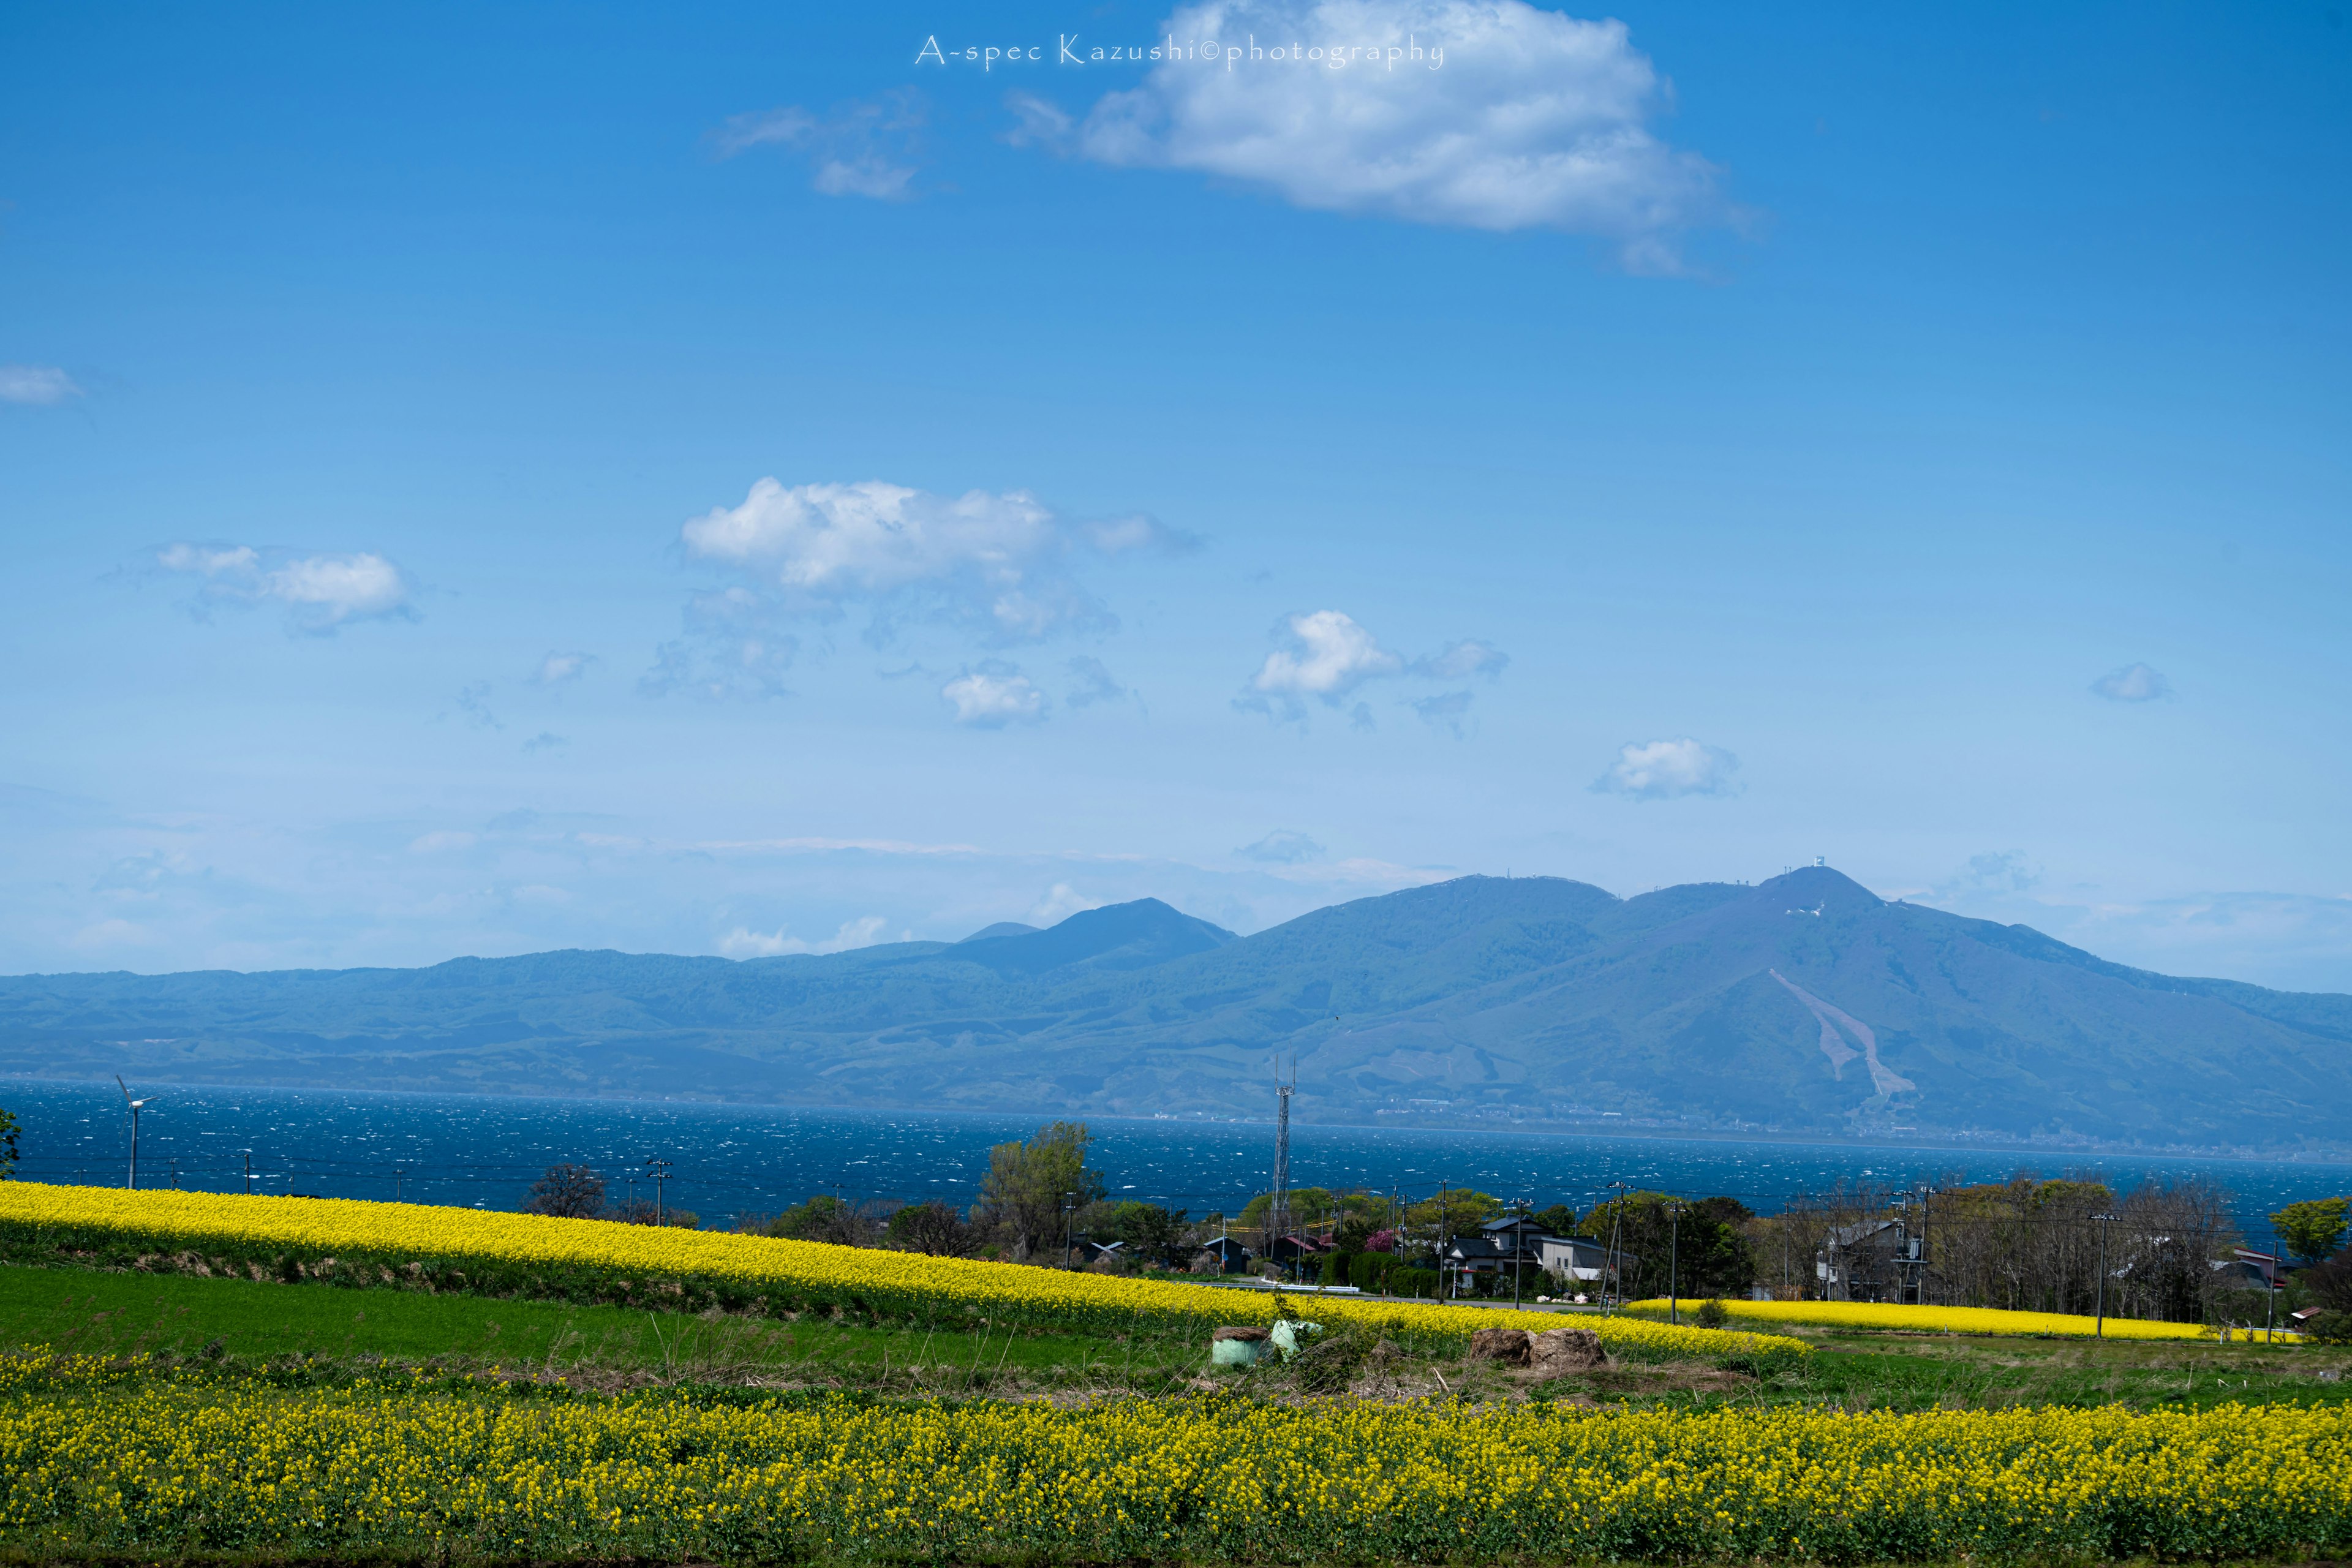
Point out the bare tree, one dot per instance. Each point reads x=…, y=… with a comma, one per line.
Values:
x=568, y=1192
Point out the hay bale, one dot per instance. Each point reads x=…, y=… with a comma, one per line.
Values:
x=1558, y=1352
x=1508, y=1346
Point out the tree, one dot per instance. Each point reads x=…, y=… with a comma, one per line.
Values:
x=642, y=1210
x=568, y=1192
x=825, y=1218
x=7, y=1146
x=1558, y=1220
x=2311, y=1230
x=1031, y=1187
x=1154, y=1233
x=932, y=1227
x=1700, y=1252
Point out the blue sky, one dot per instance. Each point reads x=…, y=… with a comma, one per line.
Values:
x=714, y=481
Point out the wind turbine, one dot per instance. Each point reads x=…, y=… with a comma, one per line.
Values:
x=135, y=1105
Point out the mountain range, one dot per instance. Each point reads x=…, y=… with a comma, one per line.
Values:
x=1801, y=1006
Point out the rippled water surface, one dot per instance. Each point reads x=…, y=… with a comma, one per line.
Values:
x=486, y=1150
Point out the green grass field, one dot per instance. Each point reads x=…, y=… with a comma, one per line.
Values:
x=245, y=1323
x=115, y=1314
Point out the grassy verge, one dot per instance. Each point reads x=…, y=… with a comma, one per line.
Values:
x=339, y=1331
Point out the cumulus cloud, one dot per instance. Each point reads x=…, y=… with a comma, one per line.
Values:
x=993, y=696
x=857, y=149
x=557, y=668
x=2133, y=683
x=999, y=566
x=1664, y=770
x=545, y=741
x=320, y=593
x=1530, y=119
x=38, y=384
x=744, y=942
x=1282, y=848
x=1095, y=683
x=1324, y=656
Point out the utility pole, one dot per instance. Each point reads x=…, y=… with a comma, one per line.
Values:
x=248, y=1173
x=659, y=1170
x=1278, y=1206
x=175, y=1176
x=1927, y=1213
x=395, y=1184
x=2105, y=1221
x=1616, y=1229
x=1674, y=1263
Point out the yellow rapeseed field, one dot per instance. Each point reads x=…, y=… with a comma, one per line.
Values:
x=469, y=1248
x=91, y=1460
x=1934, y=1320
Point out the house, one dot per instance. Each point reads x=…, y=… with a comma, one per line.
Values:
x=1298, y=1251
x=1516, y=1235
x=2255, y=1269
x=1088, y=1253
x=1870, y=1260
x=1574, y=1257
x=1232, y=1257
x=1472, y=1255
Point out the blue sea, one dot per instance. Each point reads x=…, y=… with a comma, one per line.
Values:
x=484, y=1151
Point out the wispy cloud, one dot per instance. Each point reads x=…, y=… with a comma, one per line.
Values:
x=993, y=696
x=320, y=593
x=862, y=148
x=1666, y=770
x=36, y=385
x=1095, y=683
x=561, y=668
x=1282, y=848
x=2133, y=683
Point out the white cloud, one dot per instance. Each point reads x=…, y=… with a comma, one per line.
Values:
x=743, y=942
x=998, y=565
x=557, y=668
x=991, y=699
x=1282, y=848
x=441, y=842
x=1060, y=902
x=320, y=593
x=1530, y=119
x=1461, y=660
x=1327, y=657
x=2132, y=683
x=1663, y=770
x=546, y=739
x=859, y=148
x=36, y=384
